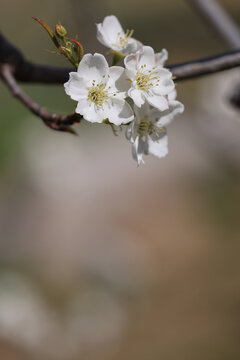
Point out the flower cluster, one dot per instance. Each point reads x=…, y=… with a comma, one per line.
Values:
x=104, y=93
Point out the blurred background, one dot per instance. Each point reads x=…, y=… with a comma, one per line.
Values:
x=102, y=260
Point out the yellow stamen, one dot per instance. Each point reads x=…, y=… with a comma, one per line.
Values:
x=146, y=128
x=97, y=94
x=145, y=78
x=124, y=38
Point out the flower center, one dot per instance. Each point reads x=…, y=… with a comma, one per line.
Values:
x=123, y=38
x=147, y=128
x=98, y=94
x=145, y=79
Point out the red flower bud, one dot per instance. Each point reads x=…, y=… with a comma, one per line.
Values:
x=60, y=30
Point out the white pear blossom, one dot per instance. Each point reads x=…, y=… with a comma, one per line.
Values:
x=111, y=34
x=161, y=57
x=100, y=91
x=147, y=133
x=149, y=80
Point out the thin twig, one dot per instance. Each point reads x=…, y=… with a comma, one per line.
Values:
x=219, y=20
x=54, y=121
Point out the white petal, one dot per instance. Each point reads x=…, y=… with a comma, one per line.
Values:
x=132, y=130
x=157, y=101
x=75, y=87
x=161, y=57
x=89, y=111
x=102, y=36
x=142, y=111
x=164, y=87
x=118, y=79
x=164, y=73
x=138, y=148
x=135, y=42
x=112, y=27
x=137, y=96
x=165, y=118
x=117, y=111
x=131, y=47
x=172, y=95
x=158, y=147
x=147, y=57
x=131, y=62
x=129, y=132
x=93, y=67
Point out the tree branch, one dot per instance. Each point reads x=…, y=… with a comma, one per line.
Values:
x=54, y=121
x=206, y=66
x=235, y=97
x=219, y=20
x=13, y=68
x=224, y=26
x=25, y=71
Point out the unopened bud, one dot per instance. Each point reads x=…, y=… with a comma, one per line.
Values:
x=66, y=51
x=60, y=30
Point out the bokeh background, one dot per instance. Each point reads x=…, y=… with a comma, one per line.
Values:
x=102, y=260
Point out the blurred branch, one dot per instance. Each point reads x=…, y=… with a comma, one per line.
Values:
x=224, y=26
x=235, y=97
x=24, y=70
x=205, y=66
x=54, y=121
x=219, y=20
x=14, y=67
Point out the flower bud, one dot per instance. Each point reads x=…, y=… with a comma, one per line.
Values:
x=60, y=30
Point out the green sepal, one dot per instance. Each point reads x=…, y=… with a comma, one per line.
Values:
x=117, y=56
x=107, y=122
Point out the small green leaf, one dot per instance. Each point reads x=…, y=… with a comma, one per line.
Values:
x=117, y=57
